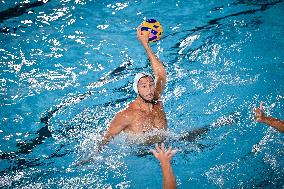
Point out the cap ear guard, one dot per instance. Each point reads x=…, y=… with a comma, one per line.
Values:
x=138, y=77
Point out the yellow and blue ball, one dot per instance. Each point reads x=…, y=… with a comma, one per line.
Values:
x=155, y=28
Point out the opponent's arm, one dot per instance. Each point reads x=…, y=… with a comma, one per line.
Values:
x=273, y=122
x=276, y=123
x=157, y=65
x=165, y=156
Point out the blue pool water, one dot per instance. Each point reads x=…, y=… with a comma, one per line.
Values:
x=67, y=67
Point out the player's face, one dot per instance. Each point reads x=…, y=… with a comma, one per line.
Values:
x=146, y=88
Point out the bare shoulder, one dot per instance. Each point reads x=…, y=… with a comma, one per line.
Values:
x=127, y=113
x=123, y=114
x=133, y=106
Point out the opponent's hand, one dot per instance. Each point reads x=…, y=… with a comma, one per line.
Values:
x=143, y=37
x=163, y=155
x=259, y=114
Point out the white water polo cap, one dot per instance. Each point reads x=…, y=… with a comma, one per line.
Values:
x=138, y=77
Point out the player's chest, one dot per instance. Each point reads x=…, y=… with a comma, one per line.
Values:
x=149, y=120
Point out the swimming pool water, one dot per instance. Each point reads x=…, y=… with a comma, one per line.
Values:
x=67, y=67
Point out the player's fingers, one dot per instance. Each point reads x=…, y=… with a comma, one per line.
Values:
x=154, y=153
x=163, y=147
x=174, y=151
x=139, y=30
x=158, y=148
x=168, y=152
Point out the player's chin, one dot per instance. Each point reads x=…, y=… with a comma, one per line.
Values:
x=150, y=97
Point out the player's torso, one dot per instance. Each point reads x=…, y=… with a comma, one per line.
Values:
x=143, y=121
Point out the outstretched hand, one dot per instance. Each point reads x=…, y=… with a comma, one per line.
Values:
x=259, y=114
x=163, y=155
x=143, y=36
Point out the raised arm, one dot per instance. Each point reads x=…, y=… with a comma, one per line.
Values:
x=273, y=122
x=165, y=156
x=157, y=65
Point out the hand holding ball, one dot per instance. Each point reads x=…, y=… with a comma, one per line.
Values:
x=155, y=28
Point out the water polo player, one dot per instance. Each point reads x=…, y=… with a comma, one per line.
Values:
x=146, y=112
